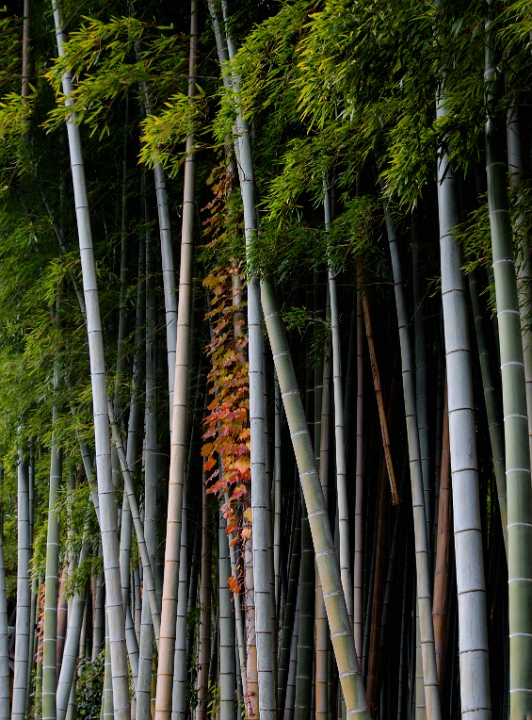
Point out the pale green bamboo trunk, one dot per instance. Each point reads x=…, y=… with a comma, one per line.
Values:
x=204, y=652
x=22, y=628
x=322, y=406
x=472, y=614
x=179, y=439
x=72, y=646
x=144, y=682
x=107, y=501
x=287, y=627
x=421, y=380
x=49, y=663
x=339, y=429
x=227, y=679
x=516, y=170
x=424, y=595
x=517, y=451
x=179, y=693
x=492, y=411
x=358, y=572
x=5, y=690
x=305, y=643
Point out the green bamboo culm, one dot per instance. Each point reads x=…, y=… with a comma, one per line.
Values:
x=492, y=411
x=517, y=453
x=49, y=664
x=326, y=560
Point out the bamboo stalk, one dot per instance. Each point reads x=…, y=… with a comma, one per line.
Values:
x=359, y=479
x=71, y=651
x=378, y=390
x=227, y=679
x=5, y=690
x=443, y=550
x=20, y=679
x=416, y=479
x=517, y=451
x=178, y=443
x=472, y=614
x=341, y=630
x=99, y=397
x=205, y=605
x=492, y=410
x=49, y=664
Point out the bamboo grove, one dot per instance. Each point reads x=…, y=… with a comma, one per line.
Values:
x=265, y=360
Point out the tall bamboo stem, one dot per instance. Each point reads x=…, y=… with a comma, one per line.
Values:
x=472, y=616
x=328, y=567
x=99, y=396
x=416, y=479
x=49, y=664
x=443, y=551
x=178, y=444
x=20, y=679
x=5, y=690
x=517, y=451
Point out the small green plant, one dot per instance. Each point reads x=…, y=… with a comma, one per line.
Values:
x=89, y=688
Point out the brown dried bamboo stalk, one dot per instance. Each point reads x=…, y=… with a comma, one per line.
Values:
x=440, y=601
x=372, y=684
x=378, y=391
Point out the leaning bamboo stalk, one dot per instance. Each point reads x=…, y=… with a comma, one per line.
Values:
x=492, y=410
x=134, y=426
x=179, y=441
x=328, y=568
x=305, y=640
x=517, y=452
x=277, y=493
x=339, y=428
x=99, y=396
x=72, y=643
x=179, y=693
x=378, y=390
x=144, y=681
x=322, y=626
x=443, y=551
x=359, y=480
x=62, y=618
x=287, y=627
x=416, y=479
x=381, y=554
x=148, y=579
x=420, y=355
